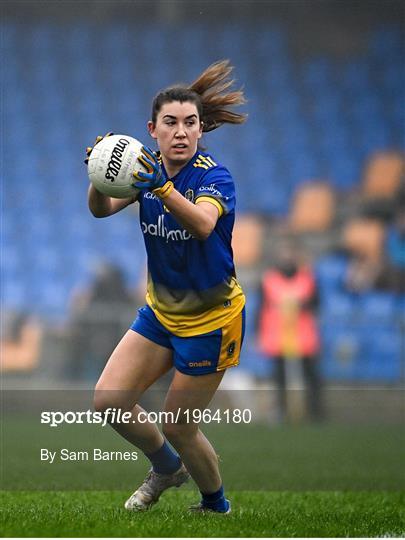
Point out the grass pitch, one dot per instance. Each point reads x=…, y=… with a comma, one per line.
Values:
x=260, y=514
x=287, y=481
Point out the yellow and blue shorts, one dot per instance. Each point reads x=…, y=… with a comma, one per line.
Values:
x=195, y=355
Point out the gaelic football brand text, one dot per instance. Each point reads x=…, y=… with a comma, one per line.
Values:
x=115, y=162
x=159, y=229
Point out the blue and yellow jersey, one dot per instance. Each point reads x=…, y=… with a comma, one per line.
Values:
x=192, y=287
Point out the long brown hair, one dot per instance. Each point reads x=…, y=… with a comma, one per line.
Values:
x=209, y=93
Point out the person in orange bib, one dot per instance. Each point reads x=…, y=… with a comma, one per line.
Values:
x=288, y=330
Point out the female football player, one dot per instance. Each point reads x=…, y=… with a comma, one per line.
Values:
x=193, y=319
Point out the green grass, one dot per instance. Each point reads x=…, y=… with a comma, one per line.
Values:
x=260, y=514
x=253, y=457
x=285, y=481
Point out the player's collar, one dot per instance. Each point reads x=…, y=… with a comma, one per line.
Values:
x=183, y=169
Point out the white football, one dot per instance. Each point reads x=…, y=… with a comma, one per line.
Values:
x=111, y=164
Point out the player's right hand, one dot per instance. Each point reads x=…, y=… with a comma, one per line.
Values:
x=99, y=138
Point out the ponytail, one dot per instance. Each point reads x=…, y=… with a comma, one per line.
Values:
x=211, y=86
x=209, y=93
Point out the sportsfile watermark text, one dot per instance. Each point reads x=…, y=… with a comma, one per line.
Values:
x=114, y=415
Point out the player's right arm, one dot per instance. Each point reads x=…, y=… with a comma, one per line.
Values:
x=101, y=205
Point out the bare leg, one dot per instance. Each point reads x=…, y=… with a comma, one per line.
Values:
x=134, y=366
x=194, y=393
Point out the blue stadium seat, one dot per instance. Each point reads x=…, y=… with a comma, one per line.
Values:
x=12, y=260
x=383, y=358
x=393, y=80
x=400, y=309
x=320, y=116
x=341, y=351
x=386, y=41
x=355, y=76
x=251, y=358
x=14, y=294
x=303, y=168
x=373, y=139
x=338, y=306
x=51, y=299
x=378, y=307
x=327, y=105
x=345, y=173
x=270, y=40
x=317, y=74
x=330, y=272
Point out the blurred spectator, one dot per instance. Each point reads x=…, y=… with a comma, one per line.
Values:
x=376, y=254
x=382, y=184
x=395, y=252
x=288, y=331
x=20, y=342
x=100, y=316
x=313, y=208
x=363, y=274
x=396, y=241
x=363, y=240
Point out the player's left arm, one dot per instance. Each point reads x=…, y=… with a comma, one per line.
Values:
x=198, y=219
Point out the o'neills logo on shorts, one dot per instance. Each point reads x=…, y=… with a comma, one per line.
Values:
x=114, y=165
x=204, y=363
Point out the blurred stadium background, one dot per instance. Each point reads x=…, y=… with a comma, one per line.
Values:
x=321, y=160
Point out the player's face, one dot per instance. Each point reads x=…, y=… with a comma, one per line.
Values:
x=177, y=130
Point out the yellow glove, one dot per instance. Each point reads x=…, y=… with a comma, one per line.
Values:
x=99, y=138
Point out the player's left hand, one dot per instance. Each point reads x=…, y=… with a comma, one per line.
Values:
x=154, y=178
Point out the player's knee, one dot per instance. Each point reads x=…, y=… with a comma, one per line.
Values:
x=105, y=400
x=178, y=433
x=172, y=431
x=102, y=401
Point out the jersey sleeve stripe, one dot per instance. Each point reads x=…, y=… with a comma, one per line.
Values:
x=211, y=200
